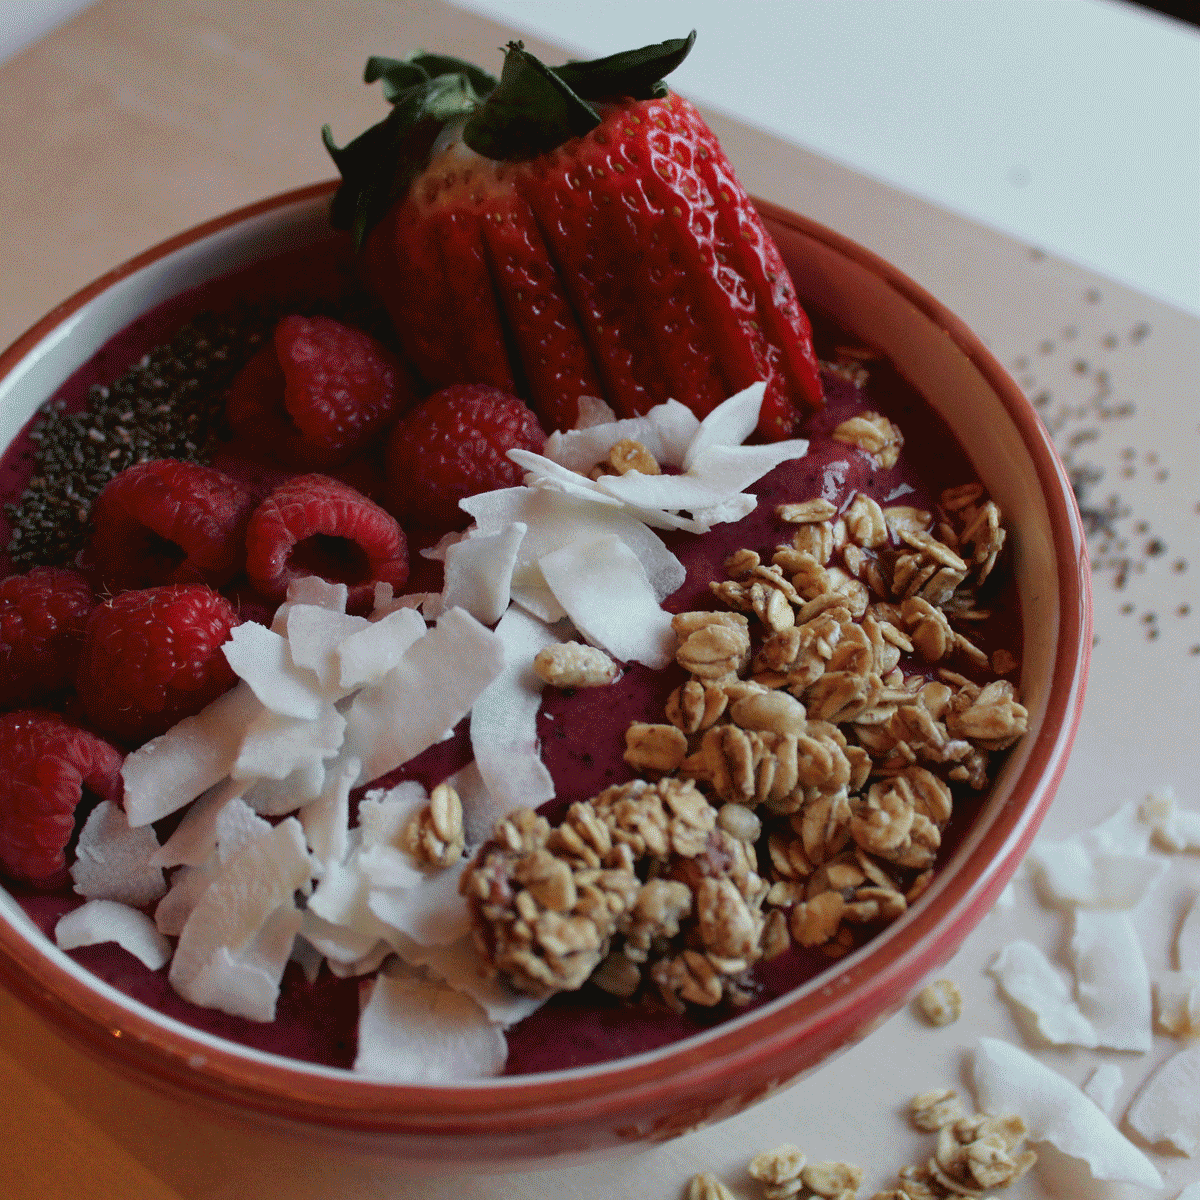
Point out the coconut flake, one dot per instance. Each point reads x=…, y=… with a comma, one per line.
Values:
x=1167, y=1109
x=1102, y=1088
x=314, y=635
x=1177, y=1002
x=729, y=424
x=188, y=884
x=605, y=591
x=367, y=964
x=275, y=746
x=276, y=797
x=369, y=653
x=326, y=819
x=479, y=572
x=430, y=913
x=425, y=695
x=112, y=861
x=504, y=736
x=1112, y=984
x=263, y=659
x=1056, y=1111
x=172, y=770
x=457, y=964
x=1027, y=978
x=555, y=520
x=414, y=1031
x=477, y=804
x=580, y=449
x=1187, y=943
x=231, y=912
x=195, y=837
x=310, y=590
x=593, y=411
x=1074, y=872
x=100, y=921
x=383, y=815
x=344, y=948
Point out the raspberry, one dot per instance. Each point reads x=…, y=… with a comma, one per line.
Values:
x=42, y=615
x=316, y=393
x=315, y=525
x=454, y=445
x=44, y=766
x=169, y=522
x=152, y=657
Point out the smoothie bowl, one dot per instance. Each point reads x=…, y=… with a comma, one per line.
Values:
x=762, y=761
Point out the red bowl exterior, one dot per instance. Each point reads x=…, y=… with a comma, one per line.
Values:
x=652, y=1097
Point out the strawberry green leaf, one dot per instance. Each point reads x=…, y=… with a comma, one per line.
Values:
x=637, y=73
x=531, y=111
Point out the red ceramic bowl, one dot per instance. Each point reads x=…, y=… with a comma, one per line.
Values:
x=571, y=1114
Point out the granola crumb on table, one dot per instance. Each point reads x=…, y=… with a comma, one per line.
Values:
x=799, y=784
x=940, y=1002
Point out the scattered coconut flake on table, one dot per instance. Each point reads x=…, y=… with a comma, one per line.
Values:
x=112, y=861
x=100, y=921
x=171, y=770
x=415, y=1031
x=479, y=570
x=1056, y=1111
x=1112, y=983
x=1176, y=829
x=425, y=695
x=504, y=737
x=605, y=591
x=1187, y=943
x=1103, y=1086
x=1074, y=872
x=1177, y=1002
x=1167, y=1108
x=1027, y=978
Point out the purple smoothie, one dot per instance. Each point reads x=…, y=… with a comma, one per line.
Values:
x=582, y=732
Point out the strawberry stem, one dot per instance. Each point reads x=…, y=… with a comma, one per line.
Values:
x=530, y=110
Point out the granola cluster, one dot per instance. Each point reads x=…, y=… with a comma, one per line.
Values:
x=974, y=1153
x=798, y=788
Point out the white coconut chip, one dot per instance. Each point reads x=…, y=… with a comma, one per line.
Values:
x=1008, y=1080
x=1074, y=872
x=195, y=837
x=580, y=450
x=729, y=424
x=1167, y=1109
x=264, y=660
x=308, y=957
x=593, y=411
x=457, y=965
x=112, y=861
x=313, y=590
x=274, y=746
x=1103, y=1085
x=342, y=947
x=604, y=589
x=1126, y=831
x=1191, y=1192
x=1112, y=983
x=232, y=911
x=1174, y=828
x=554, y=520
x=314, y=636
x=414, y=1031
x=1187, y=943
x=188, y=884
x=368, y=654
x=504, y=722
x=425, y=695
x=326, y=819
x=100, y=921
x=431, y=913
x=1177, y=1002
x=364, y=965
x=276, y=797
x=1027, y=978
x=382, y=815
x=172, y=770
x=476, y=804
x=479, y=572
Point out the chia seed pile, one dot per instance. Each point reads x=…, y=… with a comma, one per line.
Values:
x=169, y=405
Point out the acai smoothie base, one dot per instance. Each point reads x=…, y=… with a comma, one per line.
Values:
x=855, y=473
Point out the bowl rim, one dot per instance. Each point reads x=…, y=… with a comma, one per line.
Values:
x=710, y=1063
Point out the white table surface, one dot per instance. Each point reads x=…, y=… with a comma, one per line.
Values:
x=211, y=92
